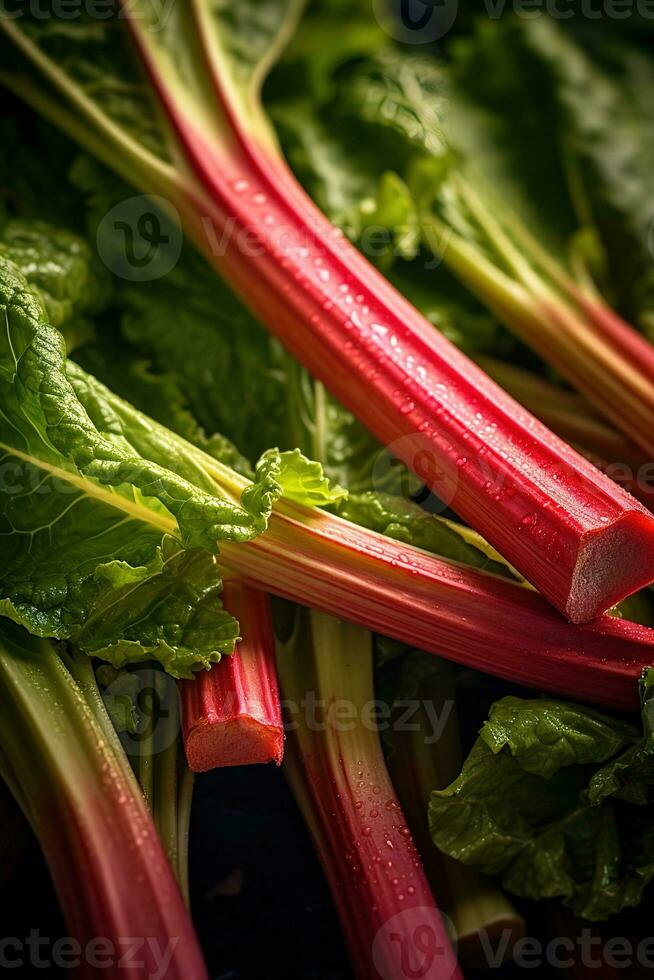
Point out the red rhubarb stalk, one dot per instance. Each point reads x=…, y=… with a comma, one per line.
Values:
x=469, y=616
x=482, y=620
x=78, y=792
x=337, y=771
x=419, y=762
x=564, y=525
x=231, y=714
x=575, y=420
x=566, y=322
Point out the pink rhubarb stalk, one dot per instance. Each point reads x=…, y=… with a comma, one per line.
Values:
x=74, y=784
x=231, y=714
x=338, y=775
x=486, y=622
x=481, y=915
x=561, y=523
x=575, y=420
x=564, y=320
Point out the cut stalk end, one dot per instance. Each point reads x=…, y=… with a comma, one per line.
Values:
x=611, y=565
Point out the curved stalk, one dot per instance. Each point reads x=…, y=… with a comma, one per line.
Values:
x=79, y=794
x=338, y=773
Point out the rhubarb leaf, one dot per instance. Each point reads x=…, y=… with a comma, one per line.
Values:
x=230, y=370
x=555, y=798
x=599, y=90
x=97, y=505
x=96, y=57
x=62, y=270
x=544, y=737
x=173, y=614
x=300, y=479
x=373, y=207
x=162, y=396
x=320, y=45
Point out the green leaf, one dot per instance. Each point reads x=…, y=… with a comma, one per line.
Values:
x=96, y=56
x=99, y=501
x=555, y=798
x=62, y=270
x=161, y=396
x=545, y=736
x=339, y=173
x=173, y=614
x=597, y=84
x=188, y=323
x=299, y=479
x=320, y=45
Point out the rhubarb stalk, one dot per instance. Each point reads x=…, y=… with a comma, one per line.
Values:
x=566, y=322
x=337, y=771
x=231, y=714
x=575, y=420
x=565, y=526
x=473, y=617
x=421, y=761
x=77, y=790
x=142, y=708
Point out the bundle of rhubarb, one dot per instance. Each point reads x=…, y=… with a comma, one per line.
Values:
x=326, y=408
